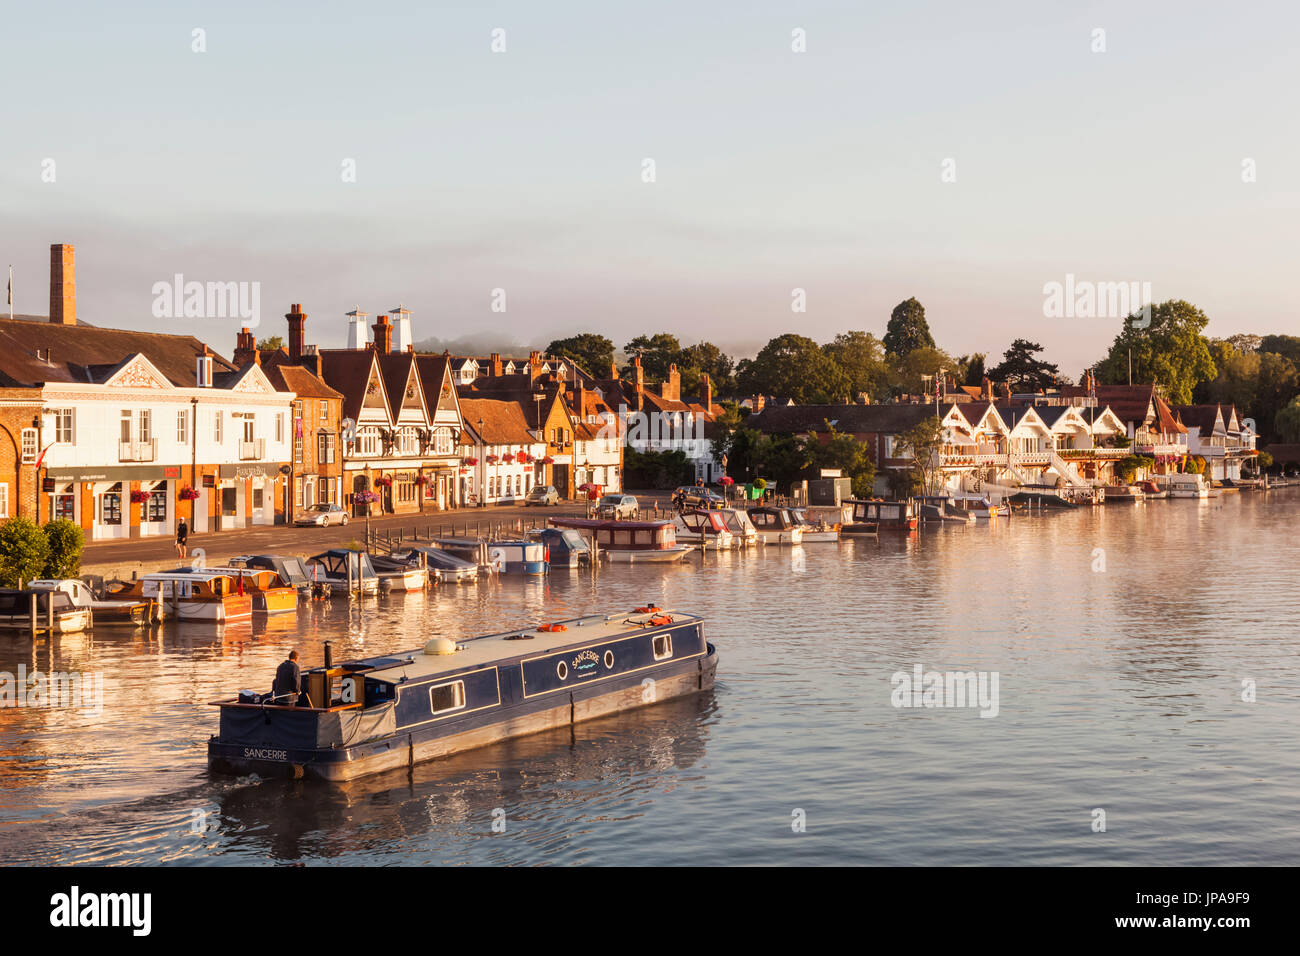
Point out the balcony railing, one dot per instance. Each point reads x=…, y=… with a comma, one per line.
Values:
x=1088, y=454
x=252, y=450
x=1158, y=448
x=137, y=450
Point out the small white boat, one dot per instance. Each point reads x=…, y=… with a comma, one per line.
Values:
x=705, y=529
x=776, y=526
x=1185, y=486
x=212, y=595
x=979, y=505
x=631, y=542
x=104, y=610
x=16, y=609
x=743, y=532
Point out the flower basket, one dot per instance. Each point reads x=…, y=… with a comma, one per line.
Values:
x=471, y=462
x=140, y=497
x=383, y=481
x=548, y=460
x=421, y=480
x=491, y=459
x=366, y=497
x=522, y=458
x=189, y=494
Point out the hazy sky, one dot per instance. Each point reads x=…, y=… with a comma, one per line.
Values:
x=775, y=169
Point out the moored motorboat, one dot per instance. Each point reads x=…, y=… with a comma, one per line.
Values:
x=704, y=528
x=565, y=548
x=291, y=570
x=42, y=609
x=819, y=531
x=211, y=595
x=1151, y=490
x=1123, y=494
x=441, y=565
x=385, y=713
x=775, y=525
x=743, y=532
x=980, y=506
x=340, y=569
x=271, y=593
x=885, y=515
x=104, y=611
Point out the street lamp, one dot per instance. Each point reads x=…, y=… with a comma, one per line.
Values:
x=482, y=467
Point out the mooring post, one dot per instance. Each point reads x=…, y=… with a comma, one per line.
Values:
x=32, y=617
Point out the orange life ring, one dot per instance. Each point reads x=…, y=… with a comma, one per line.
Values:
x=660, y=620
x=649, y=609
x=552, y=627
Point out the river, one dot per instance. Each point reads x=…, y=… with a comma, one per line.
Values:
x=1125, y=679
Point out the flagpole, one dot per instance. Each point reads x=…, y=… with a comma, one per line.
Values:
x=11, y=293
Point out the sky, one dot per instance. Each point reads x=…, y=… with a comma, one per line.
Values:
x=965, y=154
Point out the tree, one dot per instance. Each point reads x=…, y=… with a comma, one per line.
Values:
x=796, y=367
x=922, y=442
x=974, y=369
x=66, y=540
x=861, y=356
x=907, y=329
x=271, y=343
x=1244, y=342
x=594, y=353
x=1287, y=421
x=1023, y=371
x=1169, y=351
x=1288, y=345
x=696, y=361
x=24, y=551
x=908, y=375
x=657, y=353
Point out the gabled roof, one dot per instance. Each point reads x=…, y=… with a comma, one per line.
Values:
x=81, y=353
x=503, y=422
x=287, y=377
x=348, y=371
x=1202, y=417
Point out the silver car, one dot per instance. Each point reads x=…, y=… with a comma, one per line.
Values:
x=617, y=506
x=321, y=515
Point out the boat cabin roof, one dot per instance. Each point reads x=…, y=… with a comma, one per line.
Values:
x=521, y=642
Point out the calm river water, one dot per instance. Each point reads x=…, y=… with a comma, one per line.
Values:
x=1120, y=690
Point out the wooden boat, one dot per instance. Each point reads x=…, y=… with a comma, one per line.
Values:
x=883, y=514
x=17, y=607
x=630, y=542
x=386, y=713
x=331, y=569
x=815, y=532
x=743, y=532
x=271, y=594
x=104, y=611
x=1123, y=495
x=213, y=595
x=704, y=528
x=291, y=569
x=775, y=525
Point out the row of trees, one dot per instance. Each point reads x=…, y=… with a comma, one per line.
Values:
x=658, y=353
x=29, y=551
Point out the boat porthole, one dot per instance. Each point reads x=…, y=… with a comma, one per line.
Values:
x=609, y=658
x=562, y=669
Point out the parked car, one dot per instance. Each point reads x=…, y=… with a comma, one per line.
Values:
x=617, y=506
x=542, y=495
x=322, y=515
x=694, y=496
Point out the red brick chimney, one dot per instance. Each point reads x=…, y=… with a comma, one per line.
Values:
x=706, y=393
x=383, y=335
x=63, y=284
x=987, y=388
x=672, y=386
x=613, y=371
x=534, y=365
x=297, y=319
x=245, y=348
x=638, y=373
x=497, y=369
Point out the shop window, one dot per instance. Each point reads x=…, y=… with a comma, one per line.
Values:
x=111, y=505
x=156, y=506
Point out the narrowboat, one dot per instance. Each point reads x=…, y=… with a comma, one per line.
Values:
x=340, y=567
x=442, y=566
x=386, y=713
x=776, y=526
x=290, y=569
x=16, y=606
x=630, y=542
x=104, y=611
x=212, y=595
x=706, y=529
x=817, y=531
x=565, y=548
x=884, y=515
x=271, y=595
x=743, y=532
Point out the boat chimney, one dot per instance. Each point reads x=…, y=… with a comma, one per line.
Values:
x=329, y=655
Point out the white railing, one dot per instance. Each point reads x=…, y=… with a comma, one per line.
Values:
x=137, y=450
x=1068, y=472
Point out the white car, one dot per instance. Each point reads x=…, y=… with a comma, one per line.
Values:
x=322, y=515
x=617, y=506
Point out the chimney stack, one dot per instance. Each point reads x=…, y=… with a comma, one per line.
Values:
x=672, y=387
x=383, y=335
x=613, y=371
x=357, y=329
x=496, y=370
x=706, y=393
x=534, y=365
x=297, y=319
x=245, y=348
x=638, y=373
x=63, y=284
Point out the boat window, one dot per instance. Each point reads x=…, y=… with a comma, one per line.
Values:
x=663, y=645
x=447, y=697
x=889, y=512
x=643, y=537
x=622, y=537
x=562, y=670
x=609, y=659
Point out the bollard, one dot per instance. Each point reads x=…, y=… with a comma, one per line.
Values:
x=32, y=619
x=49, y=606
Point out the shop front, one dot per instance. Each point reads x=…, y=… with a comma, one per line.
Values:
x=109, y=503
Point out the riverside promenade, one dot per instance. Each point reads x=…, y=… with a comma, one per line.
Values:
x=120, y=559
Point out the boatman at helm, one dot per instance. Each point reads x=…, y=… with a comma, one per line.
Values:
x=288, y=681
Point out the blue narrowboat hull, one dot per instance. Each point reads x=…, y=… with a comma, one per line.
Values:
x=502, y=699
